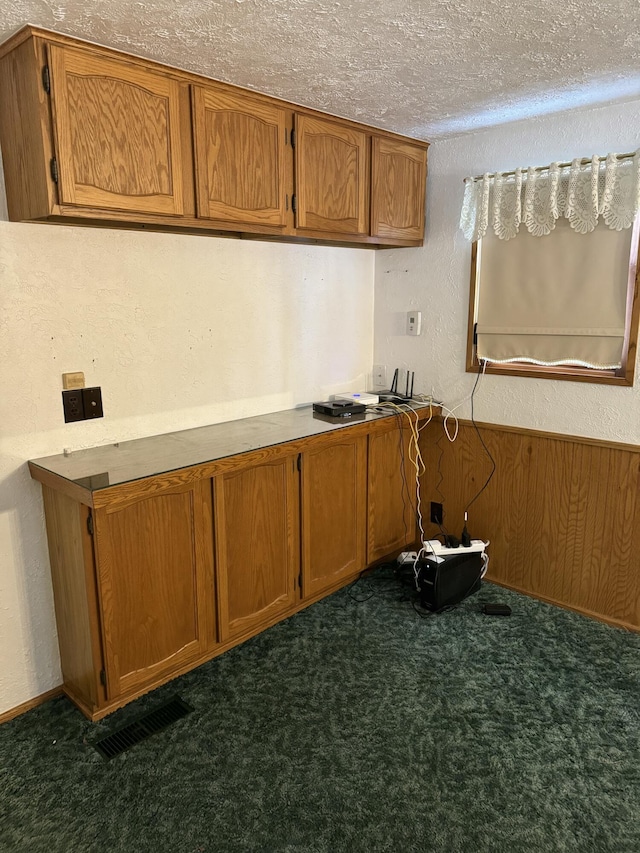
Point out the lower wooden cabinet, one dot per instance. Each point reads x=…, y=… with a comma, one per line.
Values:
x=257, y=544
x=334, y=512
x=391, y=494
x=157, y=575
x=154, y=574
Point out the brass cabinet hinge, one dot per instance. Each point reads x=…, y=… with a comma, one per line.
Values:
x=46, y=79
x=90, y=524
x=54, y=170
x=103, y=678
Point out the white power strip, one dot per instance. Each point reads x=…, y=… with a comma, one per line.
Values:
x=407, y=558
x=435, y=547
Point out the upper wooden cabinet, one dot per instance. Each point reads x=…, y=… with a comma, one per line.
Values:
x=332, y=176
x=239, y=157
x=398, y=179
x=117, y=133
x=91, y=134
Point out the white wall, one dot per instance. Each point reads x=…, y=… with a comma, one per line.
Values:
x=435, y=280
x=179, y=331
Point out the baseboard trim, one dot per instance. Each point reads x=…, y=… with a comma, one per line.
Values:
x=29, y=704
x=615, y=623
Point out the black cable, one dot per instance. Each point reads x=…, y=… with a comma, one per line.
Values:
x=426, y=615
x=443, y=529
x=369, y=575
x=486, y=449
x=439, y=469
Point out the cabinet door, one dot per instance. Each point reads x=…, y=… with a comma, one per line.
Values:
x=334, y=505
x=257, y=544
x=391, y=494
x=332, y=176
x=240, y=157
x=399, y=175
x=117, y=134
x=154, y=572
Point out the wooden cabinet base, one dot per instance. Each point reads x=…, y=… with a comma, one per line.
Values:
x=153, y=576
x=98, y=713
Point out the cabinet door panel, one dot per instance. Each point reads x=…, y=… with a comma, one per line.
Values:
x=334, y=490
x=240, y=157
x=391, y=495
x=152, y=581
x=257, y=551
x=117, y=132
x=332, y=178
x=399, y=174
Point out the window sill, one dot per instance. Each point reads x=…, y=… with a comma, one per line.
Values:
x=571, y=374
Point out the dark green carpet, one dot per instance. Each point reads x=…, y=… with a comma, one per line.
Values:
x=357, y=727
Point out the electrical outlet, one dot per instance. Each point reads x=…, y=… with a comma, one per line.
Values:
x=407, y=557
x=436, y=513
x=82, y=404
x=379, y=376
x=72, y=406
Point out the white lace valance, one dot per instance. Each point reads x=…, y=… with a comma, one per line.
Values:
x=581, y=191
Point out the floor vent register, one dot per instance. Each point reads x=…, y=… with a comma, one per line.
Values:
x=144, y=726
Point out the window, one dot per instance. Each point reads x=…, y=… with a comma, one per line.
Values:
x=559, y=299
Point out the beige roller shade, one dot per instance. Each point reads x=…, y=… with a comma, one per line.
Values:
x=561, y=298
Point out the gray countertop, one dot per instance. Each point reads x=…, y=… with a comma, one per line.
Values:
x=114, y=464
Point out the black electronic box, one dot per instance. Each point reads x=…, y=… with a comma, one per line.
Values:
x=445, y=583
x=339, y=408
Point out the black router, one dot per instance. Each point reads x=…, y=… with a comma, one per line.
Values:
x=395, y=396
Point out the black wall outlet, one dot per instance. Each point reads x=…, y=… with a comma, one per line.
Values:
x=436, y=513
x=72, y=405
x=82, y=404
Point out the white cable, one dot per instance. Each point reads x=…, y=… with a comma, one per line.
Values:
x=415, y=457
x=485, y=561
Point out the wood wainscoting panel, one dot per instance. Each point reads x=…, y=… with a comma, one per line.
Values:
x=561, y=512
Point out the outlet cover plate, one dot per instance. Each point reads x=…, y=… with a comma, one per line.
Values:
x=72, y=406
x=92, y=402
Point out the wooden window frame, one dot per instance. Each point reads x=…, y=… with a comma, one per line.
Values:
x=623, y=376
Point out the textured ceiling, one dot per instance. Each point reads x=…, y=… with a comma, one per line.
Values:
x=427, y=68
